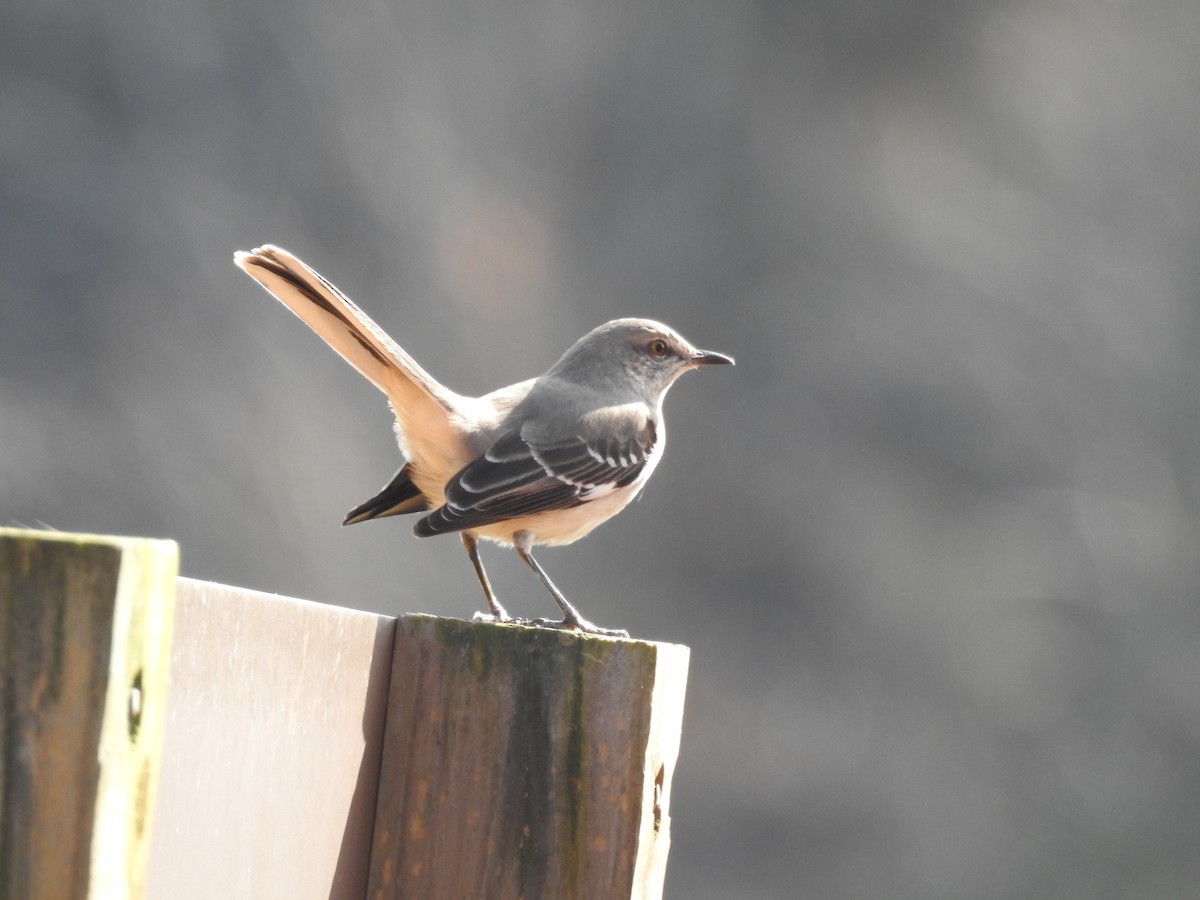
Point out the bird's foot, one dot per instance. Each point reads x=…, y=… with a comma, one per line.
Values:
x=570, y=623
x=502, y=618
x=578, y=623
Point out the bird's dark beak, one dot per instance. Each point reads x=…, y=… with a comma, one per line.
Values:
x=711, y=358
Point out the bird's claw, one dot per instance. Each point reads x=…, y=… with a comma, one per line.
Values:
x=502, y=619
x=580, y=624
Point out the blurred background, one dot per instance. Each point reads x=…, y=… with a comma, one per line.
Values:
x=933, y=542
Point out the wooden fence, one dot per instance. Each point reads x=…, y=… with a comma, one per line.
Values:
x=170, y=738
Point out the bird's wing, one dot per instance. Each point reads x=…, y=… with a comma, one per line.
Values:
x=520, y=475
x=400, y=496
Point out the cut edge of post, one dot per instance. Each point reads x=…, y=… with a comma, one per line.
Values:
x=662, y=753
x=131, y=737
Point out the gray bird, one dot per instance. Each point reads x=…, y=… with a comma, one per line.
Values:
x=541, y=462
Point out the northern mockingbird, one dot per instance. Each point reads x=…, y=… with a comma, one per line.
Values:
x=543, y=461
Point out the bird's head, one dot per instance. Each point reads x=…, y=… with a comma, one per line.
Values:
x=639, y=355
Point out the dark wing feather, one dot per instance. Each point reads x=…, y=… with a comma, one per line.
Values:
x=400, y=496
x=518, y=478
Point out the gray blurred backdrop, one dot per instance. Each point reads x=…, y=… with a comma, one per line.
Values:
x=933, y=542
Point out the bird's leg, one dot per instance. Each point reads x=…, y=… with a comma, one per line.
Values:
x=499, y=614
x=571, y=617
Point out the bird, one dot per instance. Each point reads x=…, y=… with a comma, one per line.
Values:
x=538, y=463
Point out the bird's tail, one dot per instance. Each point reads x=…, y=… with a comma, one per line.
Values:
x=416, y=396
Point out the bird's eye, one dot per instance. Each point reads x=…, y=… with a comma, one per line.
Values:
x=658, y=348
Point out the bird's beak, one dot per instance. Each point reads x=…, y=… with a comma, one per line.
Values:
x=710, y=358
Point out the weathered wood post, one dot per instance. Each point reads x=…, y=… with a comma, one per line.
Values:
x=304, y=750
x=522, y=762
x=85, y=627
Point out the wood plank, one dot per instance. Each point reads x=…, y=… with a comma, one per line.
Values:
x=271, y=756
x=85, y=626
x=523, y=762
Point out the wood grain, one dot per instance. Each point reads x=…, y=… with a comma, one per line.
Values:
x=524, y=762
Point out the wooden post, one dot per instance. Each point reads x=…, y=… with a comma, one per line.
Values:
x=85, y=626
x=302, y=750
x=523, y=762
